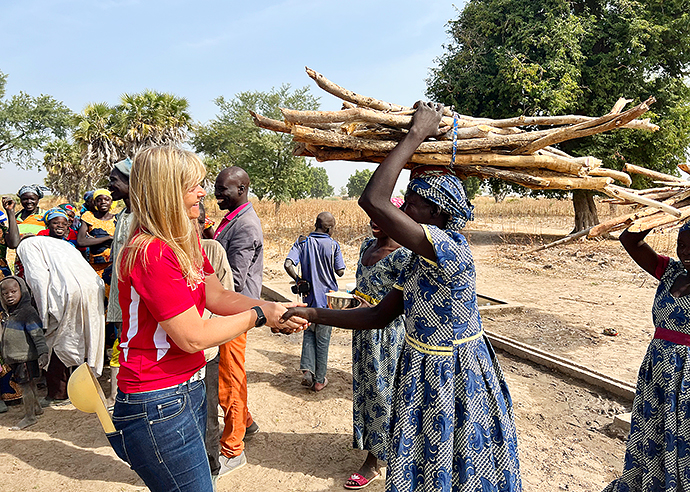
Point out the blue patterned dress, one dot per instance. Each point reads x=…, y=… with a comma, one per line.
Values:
x=375, y=356
x=453, y=423
x=657, y=456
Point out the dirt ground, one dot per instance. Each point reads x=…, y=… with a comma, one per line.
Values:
x=566, y=441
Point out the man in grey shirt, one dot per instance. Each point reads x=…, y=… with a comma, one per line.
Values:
x=118, y=184
x=241, y=236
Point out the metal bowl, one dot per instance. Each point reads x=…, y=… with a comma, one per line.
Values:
x=341, y=300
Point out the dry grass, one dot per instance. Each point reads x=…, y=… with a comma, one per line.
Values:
x=281, y=229
x=529, y=215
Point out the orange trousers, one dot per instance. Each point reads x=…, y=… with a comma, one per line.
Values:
x=232, y=396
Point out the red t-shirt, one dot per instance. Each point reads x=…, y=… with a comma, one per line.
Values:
x=149, y=359
x=71, y=236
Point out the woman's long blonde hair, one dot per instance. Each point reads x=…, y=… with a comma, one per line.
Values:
x=159, y=179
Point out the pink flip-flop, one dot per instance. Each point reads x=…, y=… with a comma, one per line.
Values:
x=357, y=481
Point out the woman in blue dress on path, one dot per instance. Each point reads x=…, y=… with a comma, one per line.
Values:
x=657, y=456
x=375, y=355
x=452, y=419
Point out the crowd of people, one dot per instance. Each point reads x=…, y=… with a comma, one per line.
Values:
x=429, y=396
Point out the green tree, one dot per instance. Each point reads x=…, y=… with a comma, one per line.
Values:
x=232, y=139
x=151, y=118
x=105, y=134
x=357, y=182
x=27, y=123
x=320, y=187
x=66, y=175
x=552, y=57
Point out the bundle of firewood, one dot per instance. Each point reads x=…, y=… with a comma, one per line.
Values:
x=519, y=150
x=669, y=204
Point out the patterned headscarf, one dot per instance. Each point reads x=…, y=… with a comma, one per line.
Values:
x=68, y=207
x=55, y=212
x=684, y=227
x=445, y=190
x=34, y=188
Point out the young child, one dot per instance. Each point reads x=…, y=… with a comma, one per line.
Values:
x=23, y=347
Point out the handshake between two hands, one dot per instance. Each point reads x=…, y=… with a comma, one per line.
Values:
x=291, y=318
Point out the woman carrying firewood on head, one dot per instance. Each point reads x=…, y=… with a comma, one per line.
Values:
x=452, y=423
x=657, y=455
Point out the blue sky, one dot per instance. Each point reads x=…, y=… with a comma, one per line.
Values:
x=82, y=51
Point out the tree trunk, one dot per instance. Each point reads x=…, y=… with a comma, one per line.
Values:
x=585, y=210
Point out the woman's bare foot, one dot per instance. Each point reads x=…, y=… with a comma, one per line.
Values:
x=25, y=422
x=367, y=472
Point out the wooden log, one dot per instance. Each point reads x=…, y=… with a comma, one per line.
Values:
x=310, y=118
x=564, y=240
x=684, y=167
x=621, y=221
x=269, y=124
x=598, y=125
x=678, y=184
x=374, y=132
x=628, y=219
x=618, y=192
x=617, y=175
x=554, y=150
x=302, y=149
x=659, y=220
x=318, y=119
x=564, y=182
x=330, y=139
x=512, y=176
x=648, y=191
x=325, y=154
x=631, y=168
x=350, y=96
x=637, y=124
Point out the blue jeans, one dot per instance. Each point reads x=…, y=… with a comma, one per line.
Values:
x=160, y=435
x=315, y=341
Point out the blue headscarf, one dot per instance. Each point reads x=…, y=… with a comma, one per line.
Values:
x=685, y=227
x=446, y=191
x=55, y=212
x=87, y=196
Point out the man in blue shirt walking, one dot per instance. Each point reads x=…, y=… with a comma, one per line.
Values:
x=321, y=260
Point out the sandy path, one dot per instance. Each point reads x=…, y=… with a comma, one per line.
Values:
x=305, y=438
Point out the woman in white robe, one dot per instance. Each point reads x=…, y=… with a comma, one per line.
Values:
x=70, y=297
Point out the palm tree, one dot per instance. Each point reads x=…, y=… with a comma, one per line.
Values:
x=152, y=118
x=106, y=134
x=100, y=144
x=66, y=176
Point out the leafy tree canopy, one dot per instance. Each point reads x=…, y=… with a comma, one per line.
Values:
x=550, y=57
x=320, y=187
x=105, y=134
x=232, y=139
x=27, y=123
x=357, y=182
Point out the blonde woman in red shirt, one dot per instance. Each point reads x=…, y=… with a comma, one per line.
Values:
x=165, y=282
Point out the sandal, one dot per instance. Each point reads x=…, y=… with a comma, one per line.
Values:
x=357, y=481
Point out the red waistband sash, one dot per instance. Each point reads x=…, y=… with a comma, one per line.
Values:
x=672, y=336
